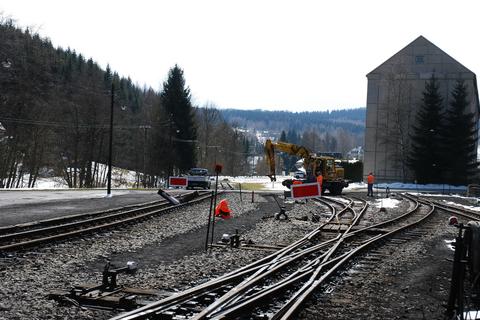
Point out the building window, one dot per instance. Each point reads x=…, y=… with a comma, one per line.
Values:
x=419, y=59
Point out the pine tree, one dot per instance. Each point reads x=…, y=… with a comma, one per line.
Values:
x=293, y=137
x=425, y=159
x=460, y=137
x=175, y=98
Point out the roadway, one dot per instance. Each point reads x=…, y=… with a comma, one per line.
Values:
x=21, y=206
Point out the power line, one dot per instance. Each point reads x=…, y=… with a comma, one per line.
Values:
x=70, y=124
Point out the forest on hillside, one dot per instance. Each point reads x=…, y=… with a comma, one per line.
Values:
x=352, y=120
x=55, y=112
x=319, y=131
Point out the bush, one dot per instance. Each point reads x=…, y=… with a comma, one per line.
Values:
x=353, y=170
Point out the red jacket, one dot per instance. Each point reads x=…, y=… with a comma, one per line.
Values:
x=370, y=179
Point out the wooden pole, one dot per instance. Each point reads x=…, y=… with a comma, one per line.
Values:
x=208, y=223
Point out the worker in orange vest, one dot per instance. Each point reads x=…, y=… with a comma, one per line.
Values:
x=320, y=181
x=370, y=181
x=222, y=210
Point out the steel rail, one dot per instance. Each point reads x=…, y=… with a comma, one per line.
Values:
x=290, y=309
x=362, y=212
x=347, y=207
x=56, y=220
x=274, y=261
x=390, y=221
x=79, y=223
x=316, y=273
x=168, y=302
x=276, y=257
x=238, y=309
x=261, y=274
x=226, y=299
x=227, y=313
x=51, y=238
x=268, y=265
x=453, y=209
x=280, y=261
x=296, y=276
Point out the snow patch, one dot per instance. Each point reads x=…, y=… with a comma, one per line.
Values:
x=386, y=203
x=413, y=186
x=463, y=206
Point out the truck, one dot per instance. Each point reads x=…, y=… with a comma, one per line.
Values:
x=198, y=178
x=333, y=175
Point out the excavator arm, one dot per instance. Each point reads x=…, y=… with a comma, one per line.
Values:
x=288, y=148
x=270, y=154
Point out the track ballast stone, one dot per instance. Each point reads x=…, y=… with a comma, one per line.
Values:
x=396, y=289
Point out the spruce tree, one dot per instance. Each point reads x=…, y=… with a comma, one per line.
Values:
x=425, y=159
x=175, y=98
x=460, y=137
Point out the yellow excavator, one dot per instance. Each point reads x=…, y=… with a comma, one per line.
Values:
x=333, y=175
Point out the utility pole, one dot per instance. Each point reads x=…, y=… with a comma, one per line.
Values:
x=110, y=145
x=170, y=147
x=145, y=127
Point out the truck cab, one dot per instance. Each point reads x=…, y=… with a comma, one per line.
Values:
x=198, y=178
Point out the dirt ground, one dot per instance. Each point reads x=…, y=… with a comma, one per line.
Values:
x=187, y=244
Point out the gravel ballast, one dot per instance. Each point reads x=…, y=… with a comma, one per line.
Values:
x=170, y=253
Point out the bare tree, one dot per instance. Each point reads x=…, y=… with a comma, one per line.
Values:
x=395, y=136
x=311, y=140
x=345, y=141
x=207, y=118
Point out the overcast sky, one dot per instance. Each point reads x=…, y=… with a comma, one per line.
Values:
x=274, y=55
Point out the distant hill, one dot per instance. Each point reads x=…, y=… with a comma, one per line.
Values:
x=350, y=120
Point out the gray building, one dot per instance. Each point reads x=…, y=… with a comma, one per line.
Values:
x=393, y=97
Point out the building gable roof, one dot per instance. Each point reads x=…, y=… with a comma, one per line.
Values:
x=420, y=45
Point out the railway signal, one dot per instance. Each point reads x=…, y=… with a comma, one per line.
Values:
x=305, y=191
x=181, y=182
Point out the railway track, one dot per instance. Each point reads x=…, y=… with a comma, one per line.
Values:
x=26, y=235
x=365, y=272
x=453, y=209
x=276, y=286
x=226, y=186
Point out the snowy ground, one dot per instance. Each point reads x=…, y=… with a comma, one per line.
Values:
x=56, y=183
x=124, y=179
x=445, y=188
